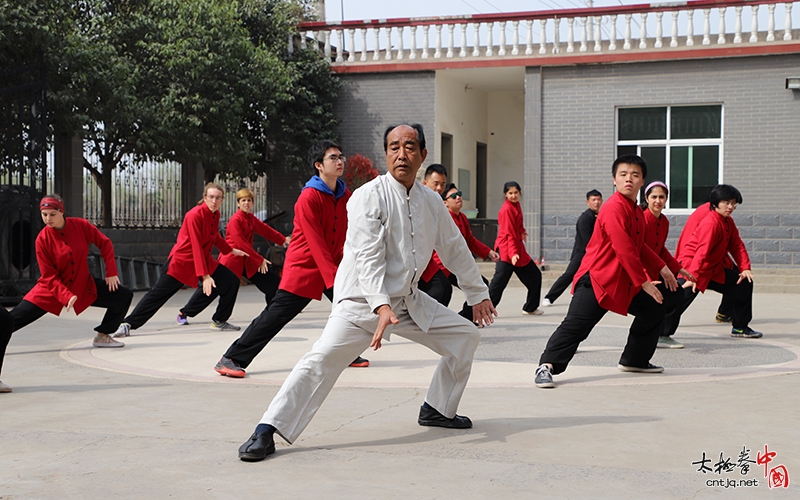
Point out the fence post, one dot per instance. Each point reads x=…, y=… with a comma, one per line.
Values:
x=191, y=183
x=68, y=172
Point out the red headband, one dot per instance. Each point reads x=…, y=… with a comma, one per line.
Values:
x=53, y=203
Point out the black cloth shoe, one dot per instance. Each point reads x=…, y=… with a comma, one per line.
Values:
x=430, y=417
x=257, y=447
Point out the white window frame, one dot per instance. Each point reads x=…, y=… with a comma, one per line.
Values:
x=669, y=143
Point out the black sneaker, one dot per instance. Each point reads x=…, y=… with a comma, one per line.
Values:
x=429, y=417
x=746, y=333
x=229, y=367
x=649, y=368
x=257, y=447
x=544, y=378
x=360, y=362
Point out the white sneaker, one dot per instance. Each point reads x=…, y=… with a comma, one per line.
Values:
x=124, y=330
x=106, y=341
x=546, y=303
x=4, y=387
x=535, y=312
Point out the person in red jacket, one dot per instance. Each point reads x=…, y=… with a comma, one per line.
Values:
x=614, y=276
x=433, y=280
x=62, y=248
x=320, y=226
x=704, y=255
x=454, y=202
x=510, y=244
x=656, y=231
x=239, y=234
x=190, y=262
x=725, y=309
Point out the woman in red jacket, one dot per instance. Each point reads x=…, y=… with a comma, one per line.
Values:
x=62, y=248
x=510, y=244
x=704, y=254
x=656, y=230
x=191, y=262
x=239, y=234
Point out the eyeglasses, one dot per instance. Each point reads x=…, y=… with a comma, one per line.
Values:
x=336, y=158
x=455, y=195
x=215, y=198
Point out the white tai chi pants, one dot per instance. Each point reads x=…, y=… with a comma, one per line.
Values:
x=313, y=377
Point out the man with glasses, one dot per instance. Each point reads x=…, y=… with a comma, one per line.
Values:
x=314, y=253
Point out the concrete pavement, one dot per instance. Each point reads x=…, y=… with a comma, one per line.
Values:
x=153, y=420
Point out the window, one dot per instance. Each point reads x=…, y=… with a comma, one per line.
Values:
x=682, y=146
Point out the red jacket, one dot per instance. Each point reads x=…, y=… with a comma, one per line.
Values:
x=65, y=271
x=190, y=258
x=655, y=236
x=239, y=234
x=692, y=222
x=616, y=255
x=509, y=234
x=704, y=254
x=475, y=246
x=320, y=226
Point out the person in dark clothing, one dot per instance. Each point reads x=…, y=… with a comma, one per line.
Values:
x=583, y=232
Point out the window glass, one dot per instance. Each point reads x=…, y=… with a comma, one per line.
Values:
x=642, y=123
x=696, y=122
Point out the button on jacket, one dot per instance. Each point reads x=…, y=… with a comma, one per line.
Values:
x=239, y=234
x=65, y=271
x=386, y=252
x=616, y=255
x=190, y=258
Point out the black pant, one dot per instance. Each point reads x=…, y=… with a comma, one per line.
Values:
x=438, y=287
x=115, y=303
x=529, y=275
x=6, y=329
x=584, y=313
x=466, y=309
x=565, y=280
x=284, y=308
x=741, y=296
x=267, y=283
x=227, y=288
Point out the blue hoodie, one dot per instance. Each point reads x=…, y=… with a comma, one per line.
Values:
x=317, y=183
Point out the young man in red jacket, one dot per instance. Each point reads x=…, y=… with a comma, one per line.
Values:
x=320, y=225
x=434, y=280
x=613, y=277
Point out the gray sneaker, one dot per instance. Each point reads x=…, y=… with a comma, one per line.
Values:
x=124, y=330
x=223, y=325
x=668, y=343
x=544, y=378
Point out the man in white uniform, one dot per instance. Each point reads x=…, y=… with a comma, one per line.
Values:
x=394, y=223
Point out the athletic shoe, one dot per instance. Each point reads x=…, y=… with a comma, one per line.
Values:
x=360, y=362
x=546, y=303
x=229, y=367
x=650, y=368
x=106, y=341
x=4, y=387
x=124, y=330
x=223, y=325
x=746, y=333
x=668, y=343
x=544, y=378
x=722, y=318
x=182, y=320
x=535, y=312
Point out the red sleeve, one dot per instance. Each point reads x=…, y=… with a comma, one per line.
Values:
x=239, y=235
x=221, y=244
x=509, y=246
x=708, y=236
x=669, y=260
x=267, y=232
x=475, y=246
x=737, y=249
x=194, y=228
x=102, y=242
x=615, y=225
x=651, y=260
x=308, y=216
x=49, y=272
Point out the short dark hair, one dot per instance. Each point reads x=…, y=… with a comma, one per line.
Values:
x=722, y=192
x=415, y=126
x=435, y=168
x=316, y=153
x=511, y=184
x=593, y=192
x=447, y=188
x=630, y=160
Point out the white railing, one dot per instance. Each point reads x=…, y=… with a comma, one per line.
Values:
x=605, y=30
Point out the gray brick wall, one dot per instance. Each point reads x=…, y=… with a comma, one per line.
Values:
x=761, y=141
x=368, y=103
